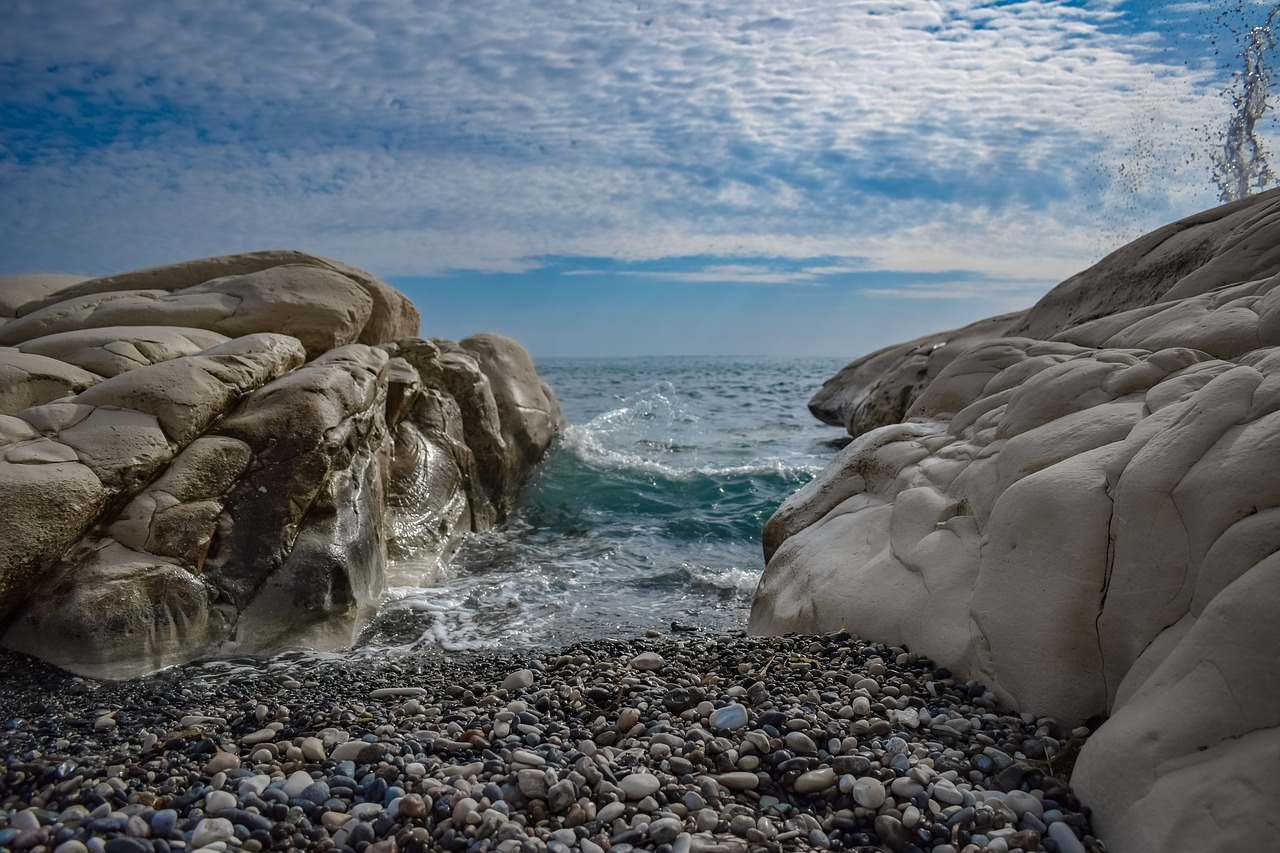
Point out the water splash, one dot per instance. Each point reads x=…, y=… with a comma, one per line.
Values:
x=1242, y=165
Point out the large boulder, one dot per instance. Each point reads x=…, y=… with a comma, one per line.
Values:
x=1081, y=511
x=219, y=486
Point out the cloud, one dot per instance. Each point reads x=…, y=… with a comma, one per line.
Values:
x=1019, y=293
x=424, y=137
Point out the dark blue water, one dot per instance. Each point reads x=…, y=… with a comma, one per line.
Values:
x=647, y=511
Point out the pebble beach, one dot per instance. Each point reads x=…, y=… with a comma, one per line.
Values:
x=668, y=742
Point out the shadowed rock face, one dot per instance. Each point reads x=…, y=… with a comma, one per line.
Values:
x=1081, y=508
x=228, y=472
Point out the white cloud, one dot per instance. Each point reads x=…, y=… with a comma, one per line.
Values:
x=1020, y=294
x=416, y=137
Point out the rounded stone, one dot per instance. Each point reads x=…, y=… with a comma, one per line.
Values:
x=521, y=679
x=211, y=830
x=730, y=717
x=664, y=830
x=648, y=661
x=868, y=792
x=891, y=832
x=637, y=786
x=800, y=743
x=313, y=749
x=816, y=780
x=413, y=806
x=222, y=761
x=945, y=792
x=216, y=802
x=610, y=812
x=1066, y=838
x=1021, y=803
x=739, y=780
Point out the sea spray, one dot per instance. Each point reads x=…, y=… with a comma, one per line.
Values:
x=1241, y=164
x=647, y=512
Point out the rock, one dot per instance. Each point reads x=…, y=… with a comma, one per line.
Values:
x=113, y=350
x=1117, y=438
x=30, y=379
x=647, y=661
x=739, y=780
x=815, y=781
x=891, y=832
x=868, y=792
x=731, y=716
x=518, y=680
x=413, y=806
x=637, y=786
x=561, y=795
x=664, y=830
x=221, y=762
x=1066, y=839
x=216, y=802
x=313, y=749
x=879, y=389
x=1023, y=803
x=203, y=461
x=19, y=290
x=210, y=831
x=533, y=783
x=527, y=409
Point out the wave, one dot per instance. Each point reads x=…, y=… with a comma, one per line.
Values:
x=644, y=515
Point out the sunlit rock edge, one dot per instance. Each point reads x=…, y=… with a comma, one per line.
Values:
x=1079, y=505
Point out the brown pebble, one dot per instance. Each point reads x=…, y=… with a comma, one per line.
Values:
x=413, y=806
x=222, y=762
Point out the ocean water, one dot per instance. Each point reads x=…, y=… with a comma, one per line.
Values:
x=646, y=513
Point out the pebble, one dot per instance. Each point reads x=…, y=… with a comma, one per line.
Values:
x=1023, y=803
x=212, y=830
x=729, y=718
x=518, y=680
x=707, y=744
x=398, y=692
x=868, y=792
x=816, y=780
x=648, y=661
x=216, y=802
x=637, y=786
x=1065, y=838
x=221, y=762
x=739, y=780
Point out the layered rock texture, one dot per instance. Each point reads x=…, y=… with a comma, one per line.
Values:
x=239, y=454
x=1079, y=505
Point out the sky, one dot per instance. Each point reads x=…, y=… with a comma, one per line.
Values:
x=621, y=177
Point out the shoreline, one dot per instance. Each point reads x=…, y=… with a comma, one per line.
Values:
x=681, y=743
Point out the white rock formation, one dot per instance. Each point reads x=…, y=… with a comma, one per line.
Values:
x=232, y=476
x=1085, y=516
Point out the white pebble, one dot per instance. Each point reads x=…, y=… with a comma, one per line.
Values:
x=216, y=802
x=211, y=830
x=637, y=786
x=649, y=661
x=868, y=792
x=297, y=783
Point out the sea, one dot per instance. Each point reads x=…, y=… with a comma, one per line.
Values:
x=646, y=513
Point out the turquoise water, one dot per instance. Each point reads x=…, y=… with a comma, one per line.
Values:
x=646, y=512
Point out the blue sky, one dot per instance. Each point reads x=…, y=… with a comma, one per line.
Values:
x=619, y=176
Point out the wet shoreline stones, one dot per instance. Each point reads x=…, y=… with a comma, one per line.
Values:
x=701, y=743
